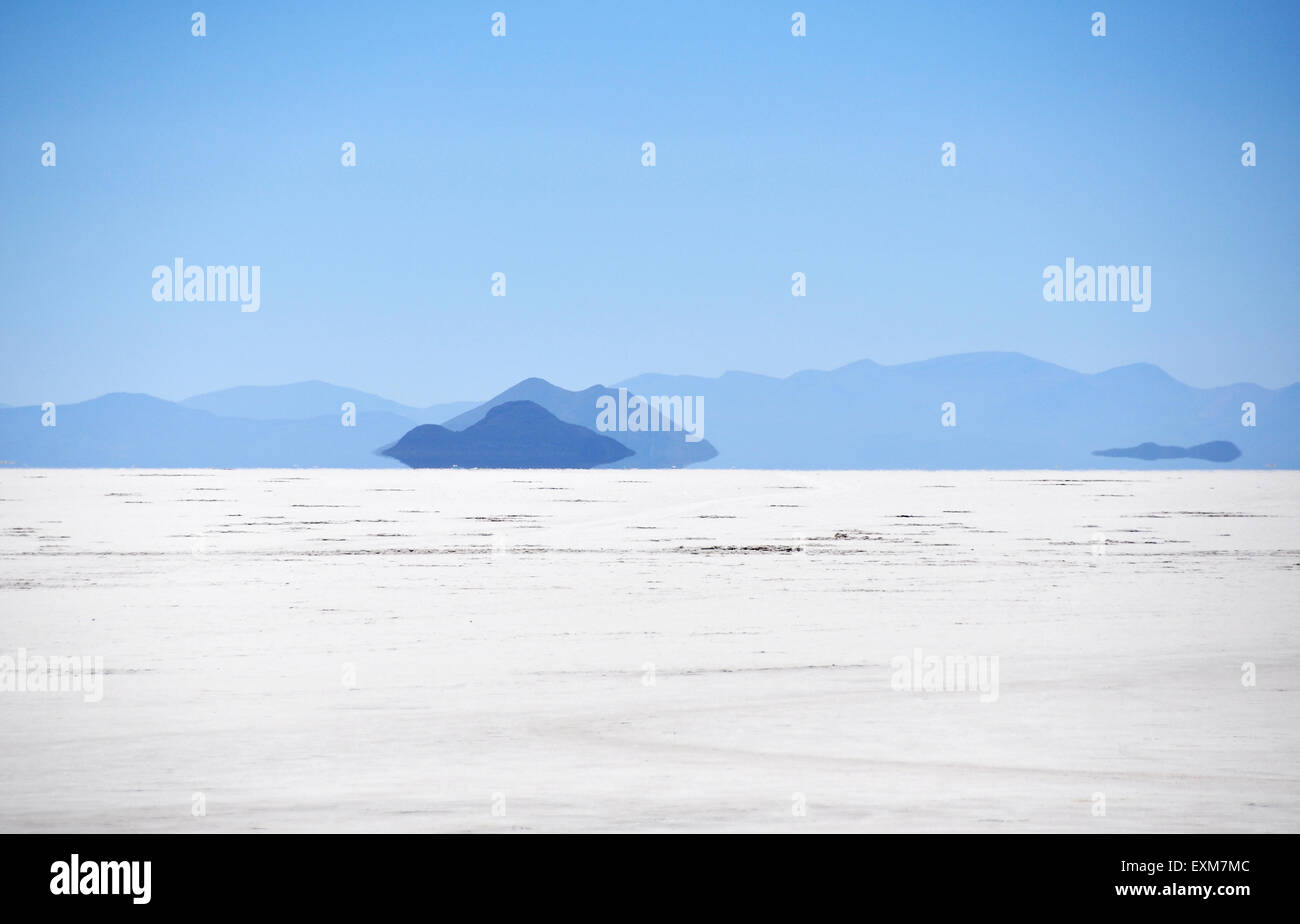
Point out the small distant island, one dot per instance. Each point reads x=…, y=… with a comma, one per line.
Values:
x=1217, y=451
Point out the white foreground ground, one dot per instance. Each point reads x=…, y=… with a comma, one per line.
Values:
x=652, y=651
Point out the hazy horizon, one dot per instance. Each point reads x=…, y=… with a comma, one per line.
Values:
x=579, y=386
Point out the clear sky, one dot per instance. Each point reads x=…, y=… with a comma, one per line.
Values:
x=522, y=155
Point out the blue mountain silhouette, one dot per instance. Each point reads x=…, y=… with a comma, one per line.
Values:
x=661, y=449
x=517, y=434
x=305, y=400
x=130, y=430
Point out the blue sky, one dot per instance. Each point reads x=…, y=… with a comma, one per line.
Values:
x=522, y=154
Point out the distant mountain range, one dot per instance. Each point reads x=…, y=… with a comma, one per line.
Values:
x=517, y=434
x=1007, y=410
x=138, y=431
x=1010, y=411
